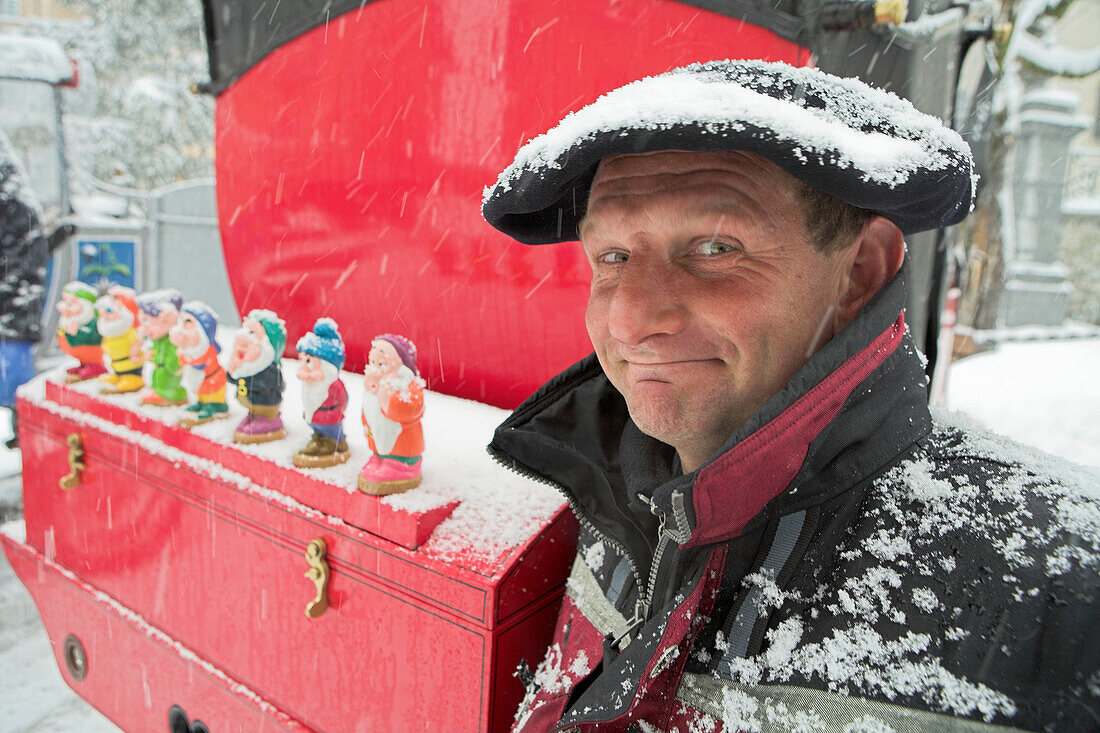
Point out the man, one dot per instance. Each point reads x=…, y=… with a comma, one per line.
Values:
x=324, y=397
x=392, y=407
x=195, y=339
x=256, y=368
x=159, y=312
x=775, y=534
x=116, y=319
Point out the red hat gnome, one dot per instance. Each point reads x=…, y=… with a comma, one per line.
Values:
x=117, y=321
x=256, y=368
x=77, y=333
x=392, y=407
x=324, y=397
x=203, y=377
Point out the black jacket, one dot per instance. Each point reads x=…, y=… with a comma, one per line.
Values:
x=263, y=388
x=845, y=562
x=23, y=253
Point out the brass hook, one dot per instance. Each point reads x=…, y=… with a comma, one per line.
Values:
x=319, y=573
x=76, y=462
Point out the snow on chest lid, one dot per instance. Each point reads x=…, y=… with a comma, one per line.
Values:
x=863, y=145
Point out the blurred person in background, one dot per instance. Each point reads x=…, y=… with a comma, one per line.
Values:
x=23, y=255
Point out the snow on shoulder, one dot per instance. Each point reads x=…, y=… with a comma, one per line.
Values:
x=863, y=145
x=967, y=510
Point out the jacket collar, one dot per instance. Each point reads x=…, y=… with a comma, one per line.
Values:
x=853, y=406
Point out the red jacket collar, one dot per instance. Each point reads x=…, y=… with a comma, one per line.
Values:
x=762, y=466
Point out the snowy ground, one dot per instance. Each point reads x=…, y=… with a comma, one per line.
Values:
x=1043, y=393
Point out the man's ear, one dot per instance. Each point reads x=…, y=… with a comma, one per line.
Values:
x=875, y=257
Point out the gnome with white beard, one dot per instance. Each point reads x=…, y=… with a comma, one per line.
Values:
x=77, y=332
x=255, y=367
x=203, y=376
x=392, y=407
x=117, y=315
x=324, y=397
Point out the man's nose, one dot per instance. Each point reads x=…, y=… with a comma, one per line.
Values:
x=644, y=303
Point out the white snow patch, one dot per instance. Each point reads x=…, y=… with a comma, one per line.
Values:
x=1043, y=393
x=925, y=600
x=594, y=555
x=1058, y=60
x=868, y=724
x=16, y=530
x=782, y=641
x=739, y=710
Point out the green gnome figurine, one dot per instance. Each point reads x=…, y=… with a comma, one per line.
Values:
x=158, y=312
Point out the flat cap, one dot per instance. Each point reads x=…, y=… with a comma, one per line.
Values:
x=862, y=145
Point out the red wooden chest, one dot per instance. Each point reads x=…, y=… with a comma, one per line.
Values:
x=173, y=573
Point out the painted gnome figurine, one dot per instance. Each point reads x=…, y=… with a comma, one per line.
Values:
x=117, y=323
x=77, y=334
x=203, y=377
x=324, y=397
x=392, y=407
x=158, y=312
x=255, y=367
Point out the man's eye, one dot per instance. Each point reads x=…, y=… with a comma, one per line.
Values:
x=612, y=258
x=716, y=247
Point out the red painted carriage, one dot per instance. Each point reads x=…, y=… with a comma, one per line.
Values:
x=353, y=142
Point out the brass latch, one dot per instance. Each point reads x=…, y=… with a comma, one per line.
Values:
x=76, y=462
x=319, y=573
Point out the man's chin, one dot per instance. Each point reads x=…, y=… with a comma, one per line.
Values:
x=660, y=411
x=658, y=414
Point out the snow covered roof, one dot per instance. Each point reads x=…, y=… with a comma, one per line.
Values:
x=34, y=59
x=865, y=146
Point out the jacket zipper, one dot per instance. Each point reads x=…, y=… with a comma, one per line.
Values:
x=643, y=606
x=527, y=473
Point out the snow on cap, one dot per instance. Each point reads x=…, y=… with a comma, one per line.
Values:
x=81, y=290
x=157, y=301
x=324, y=342
x=207, y=318
x=862, y=145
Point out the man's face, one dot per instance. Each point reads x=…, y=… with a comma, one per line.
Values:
x=706, y=294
